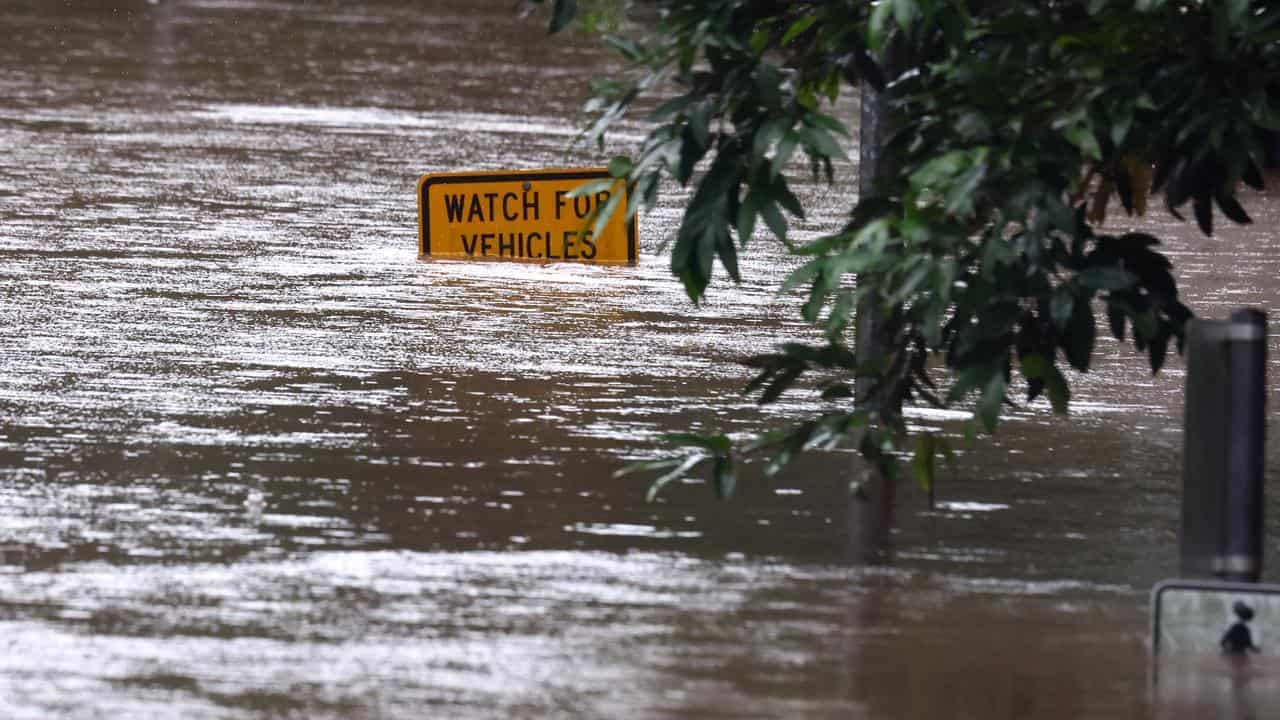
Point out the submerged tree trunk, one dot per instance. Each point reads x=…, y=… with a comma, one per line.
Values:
x=871, y=507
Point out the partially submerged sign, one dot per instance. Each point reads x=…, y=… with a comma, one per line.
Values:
x=1215, y=646
x=530, y=215
x=1205, y=617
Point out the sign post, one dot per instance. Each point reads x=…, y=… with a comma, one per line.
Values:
x=524, y=215
x=1223, y=444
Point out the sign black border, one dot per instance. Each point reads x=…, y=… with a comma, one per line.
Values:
x=1194, y=584
x=424, y=214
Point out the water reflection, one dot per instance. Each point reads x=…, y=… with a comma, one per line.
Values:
x=467, y=634
x=256, y=459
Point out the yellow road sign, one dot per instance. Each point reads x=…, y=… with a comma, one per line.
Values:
x=524, y=215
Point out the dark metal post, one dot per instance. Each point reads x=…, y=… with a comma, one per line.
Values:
x=1241, y=557
x=1223, y=445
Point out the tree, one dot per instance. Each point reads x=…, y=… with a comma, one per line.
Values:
x=1019, y=126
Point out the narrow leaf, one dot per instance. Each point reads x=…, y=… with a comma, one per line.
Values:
x=1059, y=392
x=723, y=477
x=684, y=467
x=620, y=166
x=924, y=461
x=602, y=214
x=562, y=14
x=1232, y=208
x=992, y=397
x=798, y=27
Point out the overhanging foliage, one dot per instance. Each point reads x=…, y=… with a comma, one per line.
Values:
x=1019, y=126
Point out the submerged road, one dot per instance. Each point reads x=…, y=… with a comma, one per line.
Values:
x=257, y=460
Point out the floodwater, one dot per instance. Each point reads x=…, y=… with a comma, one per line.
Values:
x=257, y=460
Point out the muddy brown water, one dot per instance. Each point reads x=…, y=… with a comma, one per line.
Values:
x=257, y=460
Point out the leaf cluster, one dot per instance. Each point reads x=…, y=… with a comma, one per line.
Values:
x=982, y=247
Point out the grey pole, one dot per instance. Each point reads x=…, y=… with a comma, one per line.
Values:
x=1241, y=557
x=1223, y=447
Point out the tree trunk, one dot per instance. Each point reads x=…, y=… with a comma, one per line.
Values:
x=871, y=508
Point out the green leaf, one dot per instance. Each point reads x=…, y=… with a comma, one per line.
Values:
x=592, y=187
x=1121, y=122
x=1156, y=350
x=715, y=444
x=948, y=454
x=602, y=214
x=767, y=82
x=960, y=196
x=629, y=49
x=1145, y=324
x=1034, y=366
x=723, y=477
x=820, y=142
x=770, y=132
x=878, y=25
x=638, y=194
x=924, y=460
x=774, y=219
x=1203, y=209
x=779, y=192
x=689, y=260
x=818, y=119
x=1232, y=208
x=727, y=253
x=1082, y=137
x=798, y=27
x=904, y=12
x=1115, y=318
x=841, y=314
x=1059, y=393
x=690, y=153
x=1106, y=277
x=648, y=466
x=1081, y=332
x=700, y=125
x=781, y=382
x=912, y=282
x=680, y=471
x=839, y=391
x=704, y=225
x=760, y=41
x=1061, y=306
x=746, y=221
x=562, y=13
x=970, y=378
x=782, y=155
x=620, y=166
x=802, y=274
x=672, y=107
x=1236, y=12
x=939, y=170
x=991, y=399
